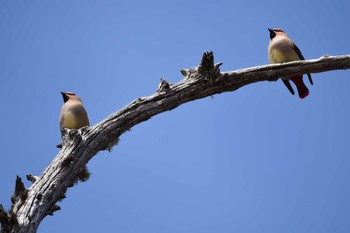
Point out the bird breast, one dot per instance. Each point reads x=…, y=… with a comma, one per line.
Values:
x=73, y=115
x=281, y=49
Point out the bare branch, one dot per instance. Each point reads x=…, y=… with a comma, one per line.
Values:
x=31, y=205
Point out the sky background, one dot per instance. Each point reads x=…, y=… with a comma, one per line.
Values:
x=254, y=160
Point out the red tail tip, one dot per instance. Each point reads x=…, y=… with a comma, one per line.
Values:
x=303, y=95
x=302, y=89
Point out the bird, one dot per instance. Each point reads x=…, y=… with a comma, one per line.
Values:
x=282, y=49
x=73, y=114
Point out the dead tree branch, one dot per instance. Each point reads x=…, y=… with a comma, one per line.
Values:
x=31, y=205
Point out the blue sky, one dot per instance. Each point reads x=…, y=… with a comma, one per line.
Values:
x=254, y=160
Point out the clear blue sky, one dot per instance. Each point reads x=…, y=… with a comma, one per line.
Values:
x=254, y=160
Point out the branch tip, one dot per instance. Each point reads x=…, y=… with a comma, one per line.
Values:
x=218, y=64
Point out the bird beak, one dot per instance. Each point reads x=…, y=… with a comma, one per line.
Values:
x=270, y=30
x=65, y=97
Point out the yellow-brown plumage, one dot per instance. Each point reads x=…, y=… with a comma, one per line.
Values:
x=282, y=49
x=73, y=114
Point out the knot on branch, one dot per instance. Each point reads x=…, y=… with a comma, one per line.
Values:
x=163, y=86
x=67, y=161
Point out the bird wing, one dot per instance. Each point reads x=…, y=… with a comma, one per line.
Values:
x=297, y=50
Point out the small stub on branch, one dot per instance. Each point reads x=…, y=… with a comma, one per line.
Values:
x=52, y=210
x=217, y=65
x=184, y=72
x=32, y=178
x=163, y=85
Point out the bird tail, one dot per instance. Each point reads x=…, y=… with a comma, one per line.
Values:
x=299, y=83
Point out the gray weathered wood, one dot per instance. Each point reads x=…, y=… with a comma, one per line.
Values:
x=30, y=206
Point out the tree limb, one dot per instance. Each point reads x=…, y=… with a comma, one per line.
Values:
x=30, y=206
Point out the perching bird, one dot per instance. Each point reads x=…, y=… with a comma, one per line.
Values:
x=73, y=114
x=282, y=49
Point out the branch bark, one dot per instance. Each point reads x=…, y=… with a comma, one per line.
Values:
x=30, y=206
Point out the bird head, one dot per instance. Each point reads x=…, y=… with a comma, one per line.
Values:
x=67, y=95
x=275, y=31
